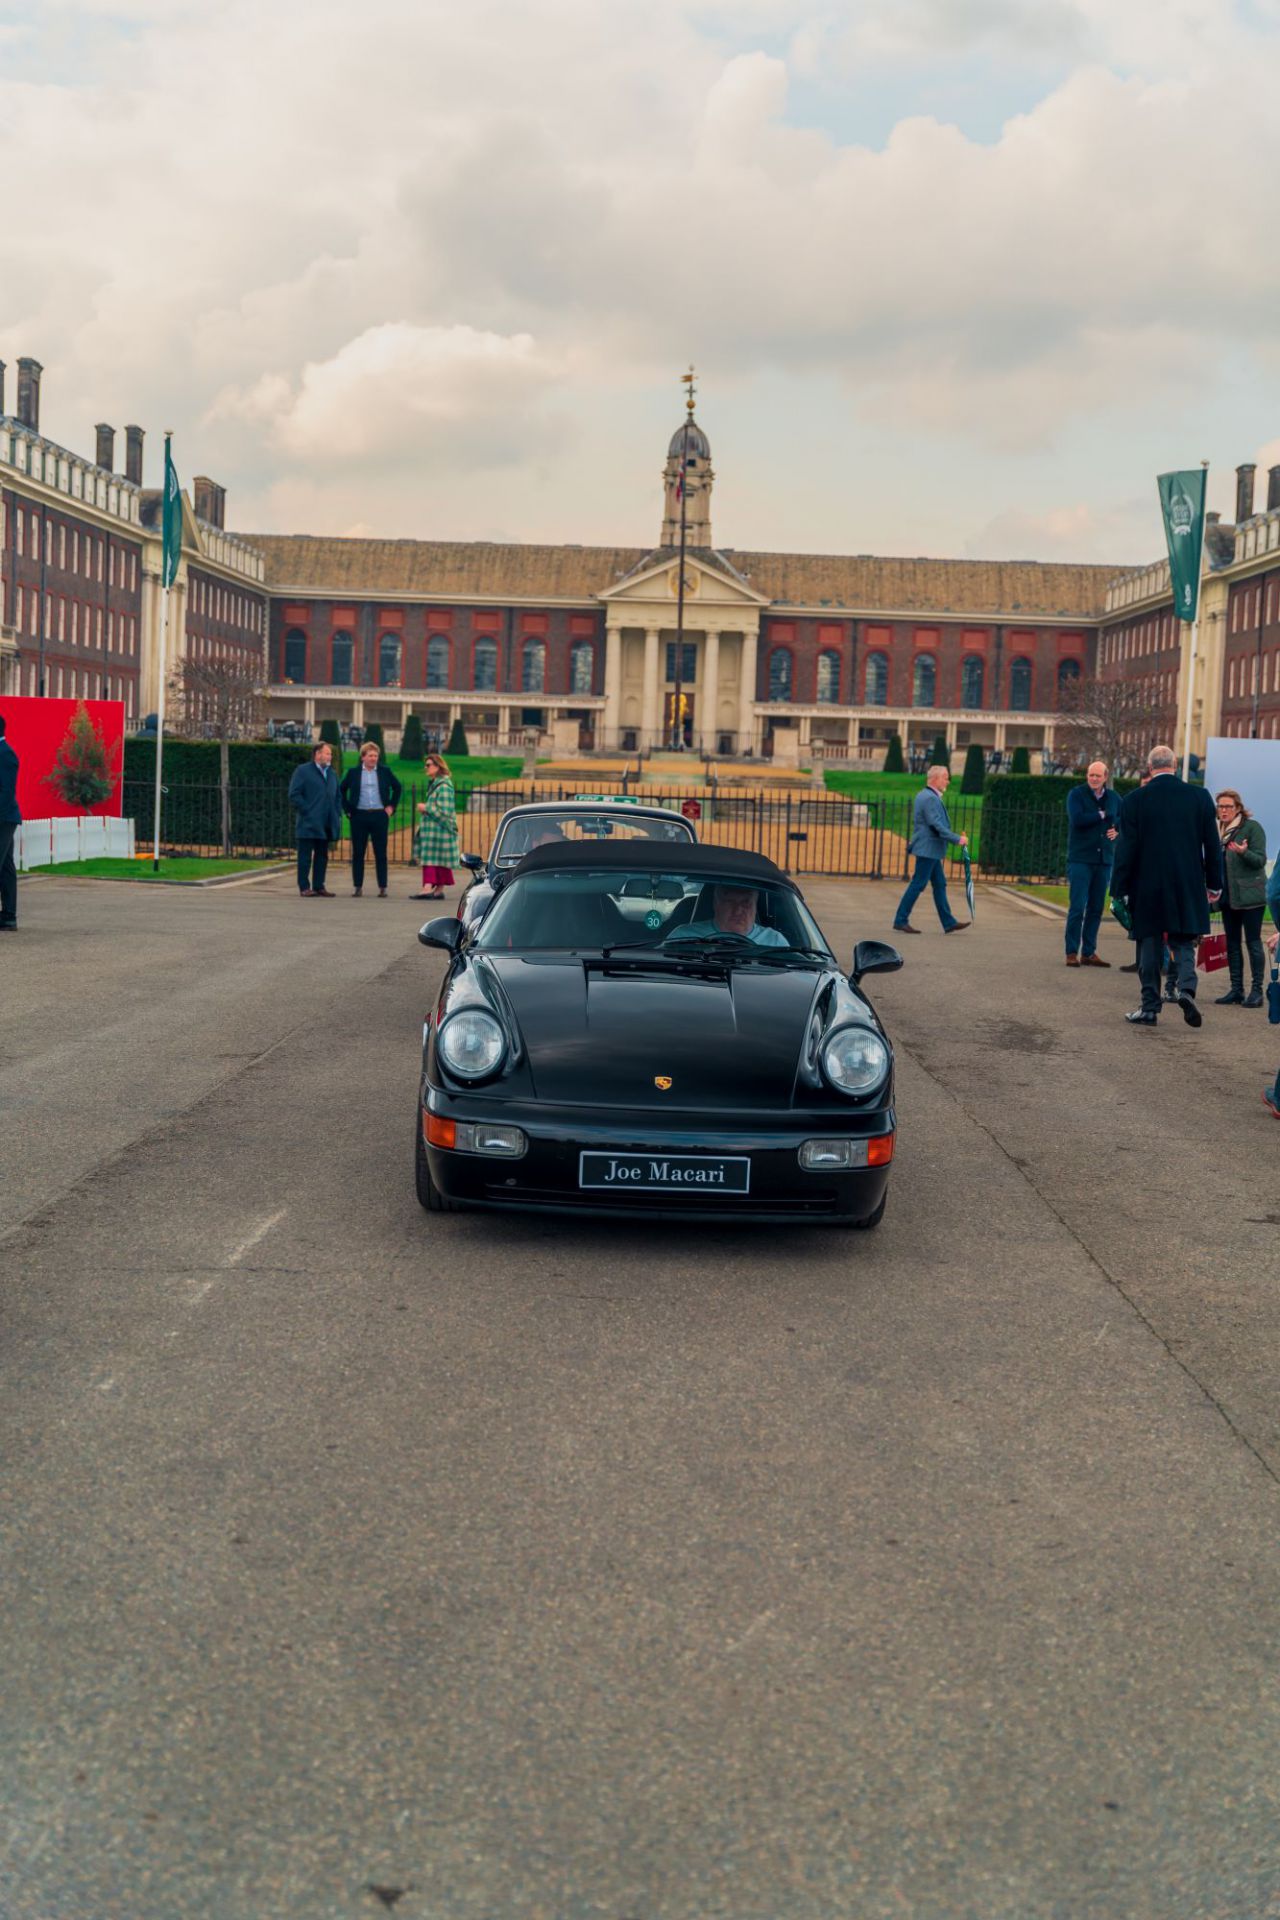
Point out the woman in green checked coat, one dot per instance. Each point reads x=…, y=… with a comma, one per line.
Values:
x=435, y=844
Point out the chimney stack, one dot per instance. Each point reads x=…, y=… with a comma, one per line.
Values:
x=1244, y=491
x=29, y=372
x=133, y=438
x=106, y=450
x=1273, y=489
x=209, y=500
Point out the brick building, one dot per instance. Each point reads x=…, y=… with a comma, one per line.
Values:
x=80, y=600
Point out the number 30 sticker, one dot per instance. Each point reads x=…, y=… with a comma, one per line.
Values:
x=653, y=918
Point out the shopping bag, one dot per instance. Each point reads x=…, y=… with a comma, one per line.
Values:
x=1213, y=953
x=1273, y=998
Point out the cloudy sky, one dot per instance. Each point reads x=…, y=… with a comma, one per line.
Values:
x=959, y=276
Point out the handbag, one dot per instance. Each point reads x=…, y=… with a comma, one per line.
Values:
x=1273, y=996
x=1212, y=955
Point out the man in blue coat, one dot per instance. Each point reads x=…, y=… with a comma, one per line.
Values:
x=1093, y=827
x=931, y=835
x=313, y=795
x=10, y=821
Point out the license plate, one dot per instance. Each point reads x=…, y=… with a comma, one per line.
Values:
x=664, y=1172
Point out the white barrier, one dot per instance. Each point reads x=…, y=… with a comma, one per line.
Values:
x=46, y=843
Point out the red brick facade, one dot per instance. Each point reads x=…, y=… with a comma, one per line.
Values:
x=894, y=663
x=223, y=621
x=1251, y=659
x=83, y=585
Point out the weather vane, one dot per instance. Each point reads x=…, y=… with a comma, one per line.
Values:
x=690, y=381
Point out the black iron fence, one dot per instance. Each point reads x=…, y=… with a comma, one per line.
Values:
x=806, y=833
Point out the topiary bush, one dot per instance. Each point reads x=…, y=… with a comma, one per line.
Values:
x=941, y=754
x=973, y=779
x=893, y=759
x=412, y=744
x=332, y=732
x=1021, y=761
x=458, y=741
x=373, y=736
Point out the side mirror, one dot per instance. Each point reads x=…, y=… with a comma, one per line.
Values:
x=473, y=862
x=444, y=932
x=874, y=956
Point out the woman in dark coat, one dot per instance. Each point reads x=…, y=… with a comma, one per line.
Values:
x=1244, y=896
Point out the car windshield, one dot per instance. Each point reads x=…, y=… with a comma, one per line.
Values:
x=524, y=832
x=676, y=913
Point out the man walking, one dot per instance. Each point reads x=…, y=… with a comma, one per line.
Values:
x=10, y=821
x=313, y=795
x=1093, y=826
x=370, y=795
x=931, y=835
x=1168, y=866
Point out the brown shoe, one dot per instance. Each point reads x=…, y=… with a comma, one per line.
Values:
x=906, y=929
x=304, y=893
x=1073, y=959
x=1094, y=960
x=322, y=893
x=959, y=927
x=357, y=893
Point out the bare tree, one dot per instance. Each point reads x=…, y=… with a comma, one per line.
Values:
x=1112, y=720
x=222, y=700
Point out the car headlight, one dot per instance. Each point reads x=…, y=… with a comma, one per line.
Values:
x=855, y=1059
x=471, y=1044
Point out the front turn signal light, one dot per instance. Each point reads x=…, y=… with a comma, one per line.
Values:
x=880, y=1150
x=437, y=1131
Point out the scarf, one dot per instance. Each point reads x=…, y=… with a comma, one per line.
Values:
x=1229, y=831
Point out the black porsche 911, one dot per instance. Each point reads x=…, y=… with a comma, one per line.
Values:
x=654, y=1030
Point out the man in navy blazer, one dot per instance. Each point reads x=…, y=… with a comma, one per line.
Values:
x=1093, y=827
x=10, y=821
x=932, y=834
x=313, y=795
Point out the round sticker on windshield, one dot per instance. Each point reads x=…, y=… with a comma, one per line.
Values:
x=653, y=918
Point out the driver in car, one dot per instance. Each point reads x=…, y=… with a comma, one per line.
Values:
x=733, y=912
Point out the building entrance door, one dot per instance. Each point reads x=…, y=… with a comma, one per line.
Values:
x=678, y=733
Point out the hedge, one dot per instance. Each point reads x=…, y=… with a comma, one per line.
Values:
x=253, y=763
x=190, y=815
x=1024, y=822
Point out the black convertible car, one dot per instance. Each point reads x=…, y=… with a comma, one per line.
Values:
x=654, y=1030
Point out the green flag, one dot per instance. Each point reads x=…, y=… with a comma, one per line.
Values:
x=171, y=519
x=1182, y=504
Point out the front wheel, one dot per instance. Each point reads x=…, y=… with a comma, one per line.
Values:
x=429, y=1194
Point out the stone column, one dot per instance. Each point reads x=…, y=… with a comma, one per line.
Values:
x=709, y=690
x=612, y=686
x=747, y=693
x=651, y=703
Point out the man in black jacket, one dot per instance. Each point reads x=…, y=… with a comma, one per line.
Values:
x=10, y=821
x=1093, y=826
x=1169, y=868
x=313, y=795
x=370, y=796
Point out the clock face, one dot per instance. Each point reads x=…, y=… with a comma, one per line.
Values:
x=690, y=580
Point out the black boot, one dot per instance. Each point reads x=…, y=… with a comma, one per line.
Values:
x=1235, y=994
x=1256, y=969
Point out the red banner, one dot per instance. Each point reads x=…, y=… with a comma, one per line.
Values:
x=36, y=729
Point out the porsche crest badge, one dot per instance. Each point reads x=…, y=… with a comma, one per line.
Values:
x=662, y=1081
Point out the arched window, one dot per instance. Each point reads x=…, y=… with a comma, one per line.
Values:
x=1020, y=686
x=485, y=674
x=533, y=667
x=877, y=681
x=1068, y=675
x=828, y=677
x=437, y=661
x=389, y=660
x=780, y=673
x=582, y=667
x=924, y=681
x=295, y=655
x=972, y=675
x=343, y=654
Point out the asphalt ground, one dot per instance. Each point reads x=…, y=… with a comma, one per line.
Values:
x=483, y=1568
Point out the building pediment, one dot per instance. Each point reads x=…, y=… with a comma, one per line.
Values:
x=709, y=581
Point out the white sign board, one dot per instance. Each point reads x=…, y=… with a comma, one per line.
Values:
x=1252, y=767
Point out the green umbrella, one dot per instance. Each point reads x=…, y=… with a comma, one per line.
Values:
x=968, y=880
x=1120, y=912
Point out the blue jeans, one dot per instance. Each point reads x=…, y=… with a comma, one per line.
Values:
x=928, y=873
x=1088, y=890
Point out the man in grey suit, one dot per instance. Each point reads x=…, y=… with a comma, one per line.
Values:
x=10, y=821
x=314, y=797
x=931, y=835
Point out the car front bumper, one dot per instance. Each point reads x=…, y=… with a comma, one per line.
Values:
x=546, y=1177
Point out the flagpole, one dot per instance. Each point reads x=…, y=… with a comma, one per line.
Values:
x=1195, y=631
x=166, y=583
x=678, y=696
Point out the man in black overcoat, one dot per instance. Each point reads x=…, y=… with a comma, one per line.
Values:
x=10, y=821
x=1168, y=868
x=313, y=795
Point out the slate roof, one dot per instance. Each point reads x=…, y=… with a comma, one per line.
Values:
x=851, y=583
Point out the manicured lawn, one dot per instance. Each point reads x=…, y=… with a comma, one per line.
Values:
x=468, y=770
x=178, y=868
x=1057, y=896
x=860, y=785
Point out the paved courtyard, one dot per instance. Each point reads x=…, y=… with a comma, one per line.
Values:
x=480, y=1569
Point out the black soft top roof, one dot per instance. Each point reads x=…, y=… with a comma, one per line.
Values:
x=654, y=856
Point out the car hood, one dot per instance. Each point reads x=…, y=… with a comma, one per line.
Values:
x=600, y=1037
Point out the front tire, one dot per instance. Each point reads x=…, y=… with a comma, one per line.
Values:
x=429, y=1194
